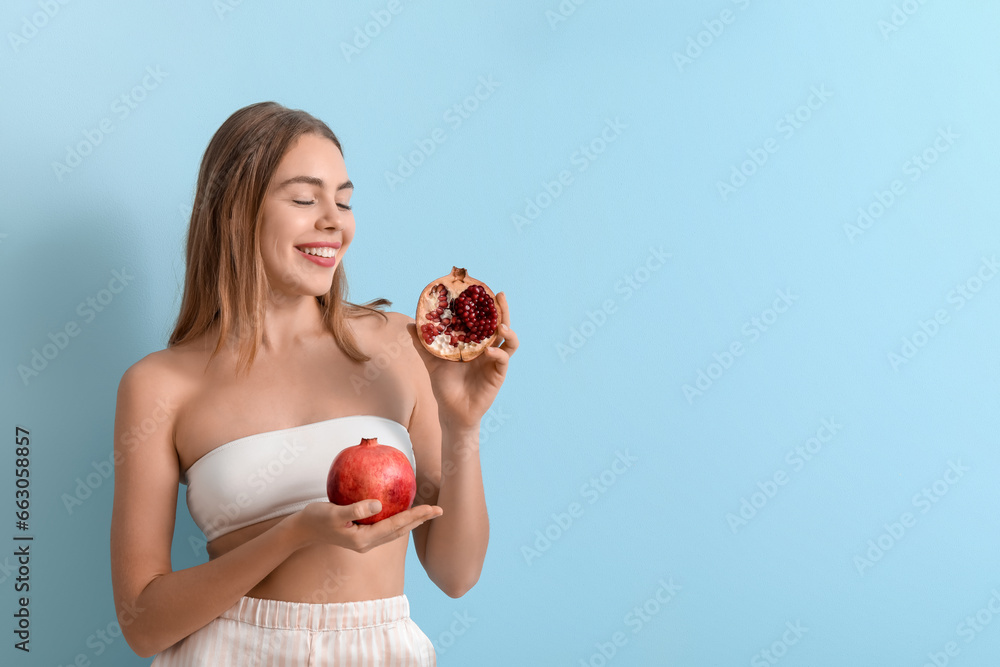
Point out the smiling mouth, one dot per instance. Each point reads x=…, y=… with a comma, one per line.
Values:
x=328, y=253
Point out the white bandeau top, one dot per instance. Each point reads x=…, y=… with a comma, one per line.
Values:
x=275, y=473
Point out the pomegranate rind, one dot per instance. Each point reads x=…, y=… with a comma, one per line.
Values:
x=456, y=282
x=381, y=471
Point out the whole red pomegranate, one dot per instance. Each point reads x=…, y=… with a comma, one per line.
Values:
x=370, y=470
x=457, y=316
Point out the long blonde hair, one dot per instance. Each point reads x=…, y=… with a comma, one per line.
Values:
x=225, y=280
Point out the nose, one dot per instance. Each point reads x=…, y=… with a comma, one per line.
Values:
x=329, y=218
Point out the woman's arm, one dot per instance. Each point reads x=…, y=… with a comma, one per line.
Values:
x=452, y=548
x=451, y=399
x=173, y=605
x=157, y=607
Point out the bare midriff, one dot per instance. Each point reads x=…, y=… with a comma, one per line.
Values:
x=324, y=573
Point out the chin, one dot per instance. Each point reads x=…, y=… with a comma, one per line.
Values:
x=302, y=292
x=318, y=290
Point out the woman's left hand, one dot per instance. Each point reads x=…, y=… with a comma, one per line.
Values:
x=465, y=390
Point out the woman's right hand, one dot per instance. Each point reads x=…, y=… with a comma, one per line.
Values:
x=326, y=523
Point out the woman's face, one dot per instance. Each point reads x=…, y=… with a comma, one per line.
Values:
x=307, y=204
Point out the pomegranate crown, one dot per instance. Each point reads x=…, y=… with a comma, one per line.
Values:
x=369, y=441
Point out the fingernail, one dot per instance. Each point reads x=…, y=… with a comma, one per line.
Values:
x=504, y=327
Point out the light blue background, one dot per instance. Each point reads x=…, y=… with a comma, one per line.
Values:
x=562, y=417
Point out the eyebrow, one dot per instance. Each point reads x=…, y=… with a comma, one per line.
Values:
x=312, y=180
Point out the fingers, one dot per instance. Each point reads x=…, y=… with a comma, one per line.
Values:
x=499, y=357
x=418, y=513
x=510, y=341
x=365, y=508
x=397, y=525
x=413, y=517
x=504, y=308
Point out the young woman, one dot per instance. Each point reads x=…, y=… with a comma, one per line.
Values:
x=268, y=374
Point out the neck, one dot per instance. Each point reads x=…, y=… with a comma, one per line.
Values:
x=288, y=323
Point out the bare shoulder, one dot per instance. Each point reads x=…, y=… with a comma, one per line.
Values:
x=153, y=364
x=396, y=340
x=388, y=343
x=156, y=386
x=398, y=321
x=164, y=370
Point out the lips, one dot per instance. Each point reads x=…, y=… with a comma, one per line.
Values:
x=322, y=253
x=320, y=244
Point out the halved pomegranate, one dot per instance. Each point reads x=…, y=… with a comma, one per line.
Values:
x=457, y=316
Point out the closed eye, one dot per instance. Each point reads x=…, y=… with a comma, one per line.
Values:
x=309, y=203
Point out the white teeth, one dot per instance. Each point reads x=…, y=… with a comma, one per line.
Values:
x=319, y=252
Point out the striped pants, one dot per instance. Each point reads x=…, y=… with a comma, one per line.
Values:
x=256, y=632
